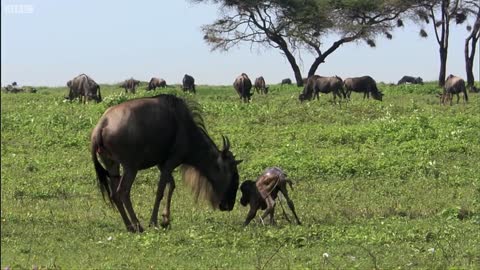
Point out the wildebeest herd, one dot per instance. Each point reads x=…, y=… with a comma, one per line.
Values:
x=85, y=88
x=127, y=140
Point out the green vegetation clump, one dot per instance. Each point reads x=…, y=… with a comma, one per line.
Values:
x=392, y=184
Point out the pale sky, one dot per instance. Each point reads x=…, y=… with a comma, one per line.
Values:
x=46, y=43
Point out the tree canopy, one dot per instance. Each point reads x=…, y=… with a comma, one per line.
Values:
x=293, y=26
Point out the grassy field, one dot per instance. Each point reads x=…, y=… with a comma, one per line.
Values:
x=392, y=184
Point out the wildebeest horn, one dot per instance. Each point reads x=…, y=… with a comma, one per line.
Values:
x=226, y=143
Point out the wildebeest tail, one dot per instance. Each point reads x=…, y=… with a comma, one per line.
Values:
x=102, y=174
x=99, y=94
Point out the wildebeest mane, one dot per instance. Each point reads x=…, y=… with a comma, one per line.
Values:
x=190, y=111
x=187, y=108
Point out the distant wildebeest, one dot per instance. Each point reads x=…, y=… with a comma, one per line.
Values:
x=410, y=79
x=318, y=84
x=365, y=84
x=454, y=85
x=83, y=87
x=188, y=83
x=260, y=86
x=156, y=82
x=243, y=85
x=15, y=89
x=130, y=85
x=286, y=81
x=263, y=193
x=166, y=132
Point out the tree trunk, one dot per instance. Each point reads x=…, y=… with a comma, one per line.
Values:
x=293, y=64
x=314, y=66
x=443, y=66
x=469, y=65
x=471, y=44
x=322, y=56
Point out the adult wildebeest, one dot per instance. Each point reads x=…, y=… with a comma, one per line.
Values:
x=160, y=131
x=286, y=81
x=454, y=85
x=262, y=194
x=260, y=86
x=365, y=84
x=130, y=85
x=410, y=79
x=84, y=88
x=188, y=83
x=156, y=82
x=318, y=84
x=242, y=85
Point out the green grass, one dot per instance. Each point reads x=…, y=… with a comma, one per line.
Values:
x=392, y=184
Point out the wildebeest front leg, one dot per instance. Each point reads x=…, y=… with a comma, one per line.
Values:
x=162, y=183
x=166, y=210
x=270, y=209
x=251, y=215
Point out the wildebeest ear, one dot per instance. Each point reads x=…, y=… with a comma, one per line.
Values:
x=238, y=161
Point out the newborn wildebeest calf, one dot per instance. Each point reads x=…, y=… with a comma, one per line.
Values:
x=263, y=192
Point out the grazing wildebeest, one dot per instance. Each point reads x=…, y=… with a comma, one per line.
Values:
x=365, y=84
x=454, y=85
x=318, y=84
x=286, y=81
x=260, y=86
x=156, y=82
x=160, y=131
x=242, y=85
x=84, y=88
x=188, y=83
x=14, y=88
x=410, y=79
x=130, y=85
x=262, y=194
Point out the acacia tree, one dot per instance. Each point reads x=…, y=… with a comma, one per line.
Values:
x=441, y=13
x=473, y=7
x=292, y=26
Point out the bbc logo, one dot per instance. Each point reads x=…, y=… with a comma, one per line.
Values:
x=18, y=9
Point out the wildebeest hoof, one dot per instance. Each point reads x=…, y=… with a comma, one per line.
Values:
x=153, y=223
x=138, y=228
x=165, y=224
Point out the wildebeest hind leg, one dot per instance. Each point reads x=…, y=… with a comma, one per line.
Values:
x=290, y=203
x=284, y=213
x=113, y=169
x=292, y=207
x=115, y=180
x=127, y=179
